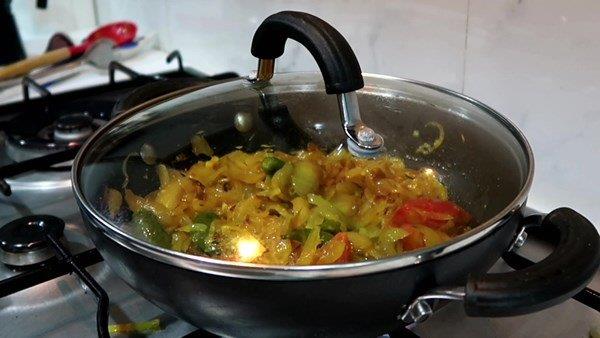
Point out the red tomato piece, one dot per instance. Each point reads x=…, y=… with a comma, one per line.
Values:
x=347, y=254
x=431, y=213
x=414, y=240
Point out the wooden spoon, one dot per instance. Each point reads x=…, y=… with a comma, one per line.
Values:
x=119, y=32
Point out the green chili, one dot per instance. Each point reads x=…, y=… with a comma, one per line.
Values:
x=271, y=164
x=149, y=228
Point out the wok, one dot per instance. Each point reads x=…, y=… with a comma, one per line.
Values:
x=484, y=160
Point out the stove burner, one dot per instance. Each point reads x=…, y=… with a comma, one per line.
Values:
x=24, y=241
x=73, y=127
x=36, y=133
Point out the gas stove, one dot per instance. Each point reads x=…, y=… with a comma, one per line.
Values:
x=54, y=283
x=41, y=133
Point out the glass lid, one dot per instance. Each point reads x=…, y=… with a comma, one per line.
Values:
x=182, y=168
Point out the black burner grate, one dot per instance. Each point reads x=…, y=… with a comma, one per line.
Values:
x=31, y=124
x=45, y=228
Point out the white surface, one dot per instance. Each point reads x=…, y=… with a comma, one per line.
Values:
x=36, y=25
x=536, y=61
x=149, y=62
x=415, y=39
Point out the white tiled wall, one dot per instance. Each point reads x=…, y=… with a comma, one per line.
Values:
x=417, y=39
x=537, y=61
x=37, y=25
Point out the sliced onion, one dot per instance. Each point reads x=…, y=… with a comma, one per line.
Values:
x=148, y=154
x=427, y=148
x=163, y=175
x=124, y=170
x=114, y=200
x=200, y=146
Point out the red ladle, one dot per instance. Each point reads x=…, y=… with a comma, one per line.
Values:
x=119, y=32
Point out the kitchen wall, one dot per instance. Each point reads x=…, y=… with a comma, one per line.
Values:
x=534, y=60
x=417, y=39
x=37, y=25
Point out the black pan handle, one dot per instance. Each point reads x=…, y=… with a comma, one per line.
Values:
x=336, y=60
x=556, y=278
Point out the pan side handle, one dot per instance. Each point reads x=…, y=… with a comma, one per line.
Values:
x=559, y=276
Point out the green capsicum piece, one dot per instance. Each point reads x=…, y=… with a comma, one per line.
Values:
x=202, y=233
x=271, y=164
x=147, y=226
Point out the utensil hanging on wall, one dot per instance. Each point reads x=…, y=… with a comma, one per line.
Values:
x=119, y=32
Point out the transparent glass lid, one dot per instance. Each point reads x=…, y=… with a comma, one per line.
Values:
x=482, y=158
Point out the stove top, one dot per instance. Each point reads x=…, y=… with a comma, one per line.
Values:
x=39, y=138
x=50, y=129
x=50, y=299
x=63, y=307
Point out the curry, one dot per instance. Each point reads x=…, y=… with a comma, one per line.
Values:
x=304, y=208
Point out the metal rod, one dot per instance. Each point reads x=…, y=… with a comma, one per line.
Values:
x=38, y=162
x=113, y=66
x=266, y=68
x=363, y=141
x=29, y=82
x=46, y=271
x=176, y=54
x=349, y=110
x=102, y=313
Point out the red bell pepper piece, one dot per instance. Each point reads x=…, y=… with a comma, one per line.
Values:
x=432, y=213
x=414, y=240
x=347, y=254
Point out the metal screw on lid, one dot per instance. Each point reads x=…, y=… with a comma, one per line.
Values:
x=243, y=122
x=368, y=138
x=366, y=135
x=362, y=140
